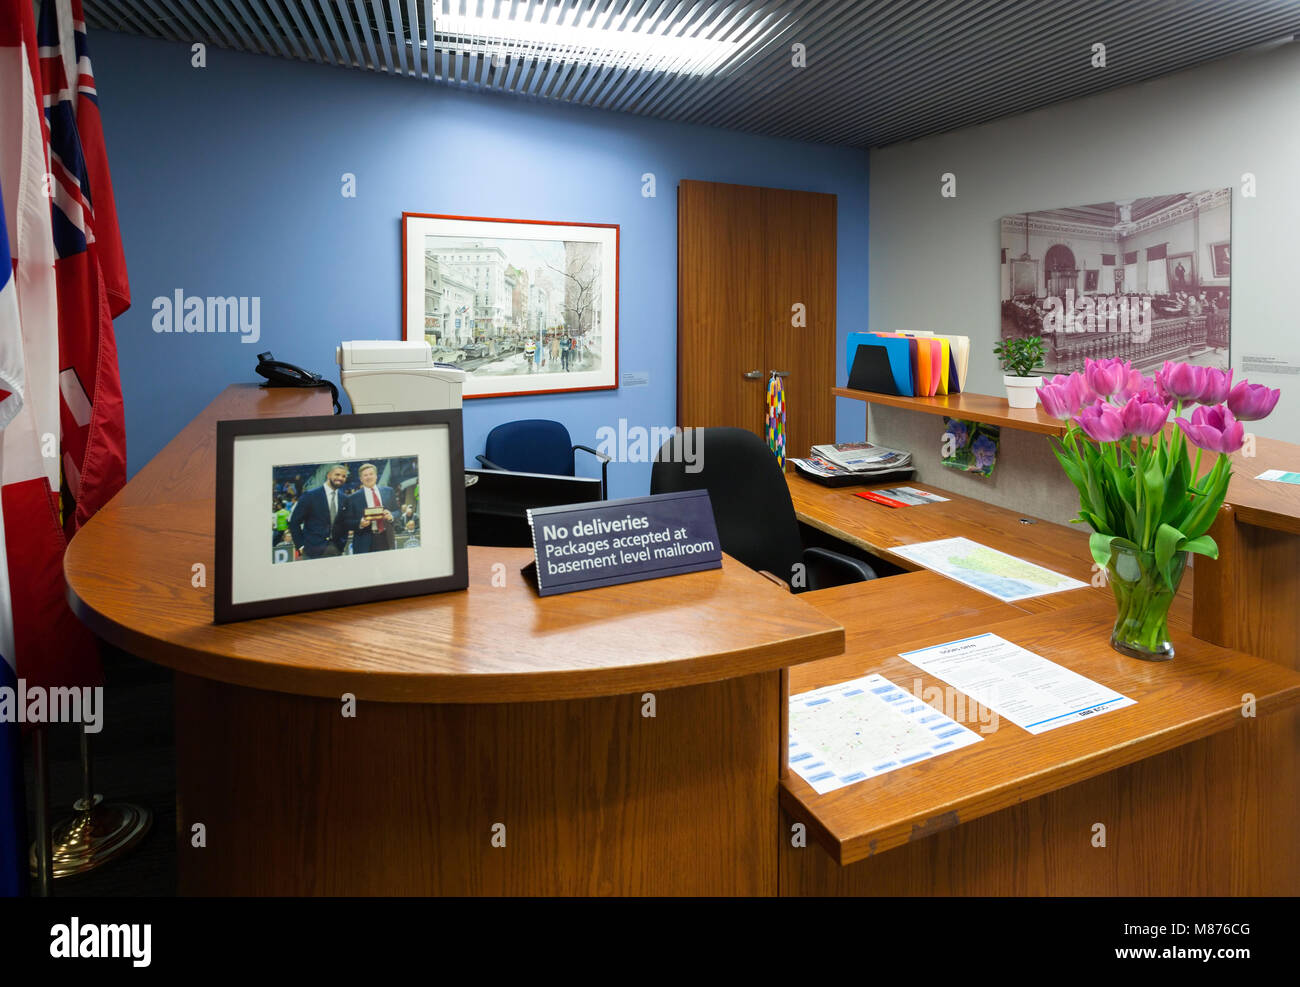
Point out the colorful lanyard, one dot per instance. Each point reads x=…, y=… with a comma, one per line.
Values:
x=776, y=418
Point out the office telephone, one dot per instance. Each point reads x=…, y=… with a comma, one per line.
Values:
x=280, y=374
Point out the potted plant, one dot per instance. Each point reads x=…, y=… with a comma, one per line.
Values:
x=1020, y=357
x=1140, y=490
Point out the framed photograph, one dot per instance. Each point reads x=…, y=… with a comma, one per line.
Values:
x=523, y=306
x=333, y=510
x=1128, y=279
x=1221, y=254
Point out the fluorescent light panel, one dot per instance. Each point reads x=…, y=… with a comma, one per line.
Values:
x=589, y=45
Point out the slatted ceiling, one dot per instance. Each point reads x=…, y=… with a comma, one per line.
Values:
x=878, y=72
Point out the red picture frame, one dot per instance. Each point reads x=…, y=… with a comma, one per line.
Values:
x=491, y=338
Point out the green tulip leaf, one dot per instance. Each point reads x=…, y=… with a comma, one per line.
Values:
x=1168, y=541
x=1176, y=500
x=1204, y=545
x=1099, y=545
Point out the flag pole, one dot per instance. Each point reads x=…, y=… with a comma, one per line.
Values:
x=41, y=855
x=95, y=833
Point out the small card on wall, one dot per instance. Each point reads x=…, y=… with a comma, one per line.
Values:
x=582, y=546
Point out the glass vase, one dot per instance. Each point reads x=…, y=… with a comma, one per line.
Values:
x=1142, y=599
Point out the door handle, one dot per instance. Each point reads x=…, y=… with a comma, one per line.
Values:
x=780, y=373
x=753, y=375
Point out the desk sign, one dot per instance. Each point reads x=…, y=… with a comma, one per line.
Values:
x=582, y=546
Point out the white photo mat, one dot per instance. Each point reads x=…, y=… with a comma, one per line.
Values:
x=255, y=577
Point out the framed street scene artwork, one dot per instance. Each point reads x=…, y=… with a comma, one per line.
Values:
x=333, y=510
x=523, y=306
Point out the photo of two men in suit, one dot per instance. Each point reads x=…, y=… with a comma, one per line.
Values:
x=326, y=515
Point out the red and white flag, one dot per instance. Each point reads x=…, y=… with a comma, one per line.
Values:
x=51, y=647
x=13, y=839
x=89, y=267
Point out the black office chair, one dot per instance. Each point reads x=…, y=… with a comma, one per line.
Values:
x=536, y=445
x=752, y=507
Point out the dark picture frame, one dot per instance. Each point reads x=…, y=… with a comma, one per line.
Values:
x=228, y=505
x=1221, y=255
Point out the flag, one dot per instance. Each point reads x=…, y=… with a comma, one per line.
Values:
x=90, y=270
x=50, y=646
x=13, y=840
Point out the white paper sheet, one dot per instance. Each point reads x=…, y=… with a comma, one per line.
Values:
x=1029, y=690
x=865, y=727
x=912, y=496
x=986, y=569
x=1279, y=476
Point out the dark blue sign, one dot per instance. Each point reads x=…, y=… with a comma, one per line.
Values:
x=581, y=546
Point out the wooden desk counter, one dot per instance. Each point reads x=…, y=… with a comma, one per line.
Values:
x=879, y=530
x=1196, y=695
x=629, y=740
x=1266, y=503
x=1249, y=598
x=129, y=582
x=620, y=740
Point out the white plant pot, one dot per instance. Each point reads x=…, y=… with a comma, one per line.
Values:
x=1022, y=391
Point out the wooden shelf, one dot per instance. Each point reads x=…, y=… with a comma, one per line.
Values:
x=967, y=406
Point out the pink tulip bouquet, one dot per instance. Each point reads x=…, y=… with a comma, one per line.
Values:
x=1140, y=490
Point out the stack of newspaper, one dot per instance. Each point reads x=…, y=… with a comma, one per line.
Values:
x=861, y=460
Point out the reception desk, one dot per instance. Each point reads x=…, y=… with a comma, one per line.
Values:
x=631, y=739
x=501, y=743
x=1192, y=791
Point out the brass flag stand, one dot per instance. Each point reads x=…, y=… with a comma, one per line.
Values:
x=94, y=834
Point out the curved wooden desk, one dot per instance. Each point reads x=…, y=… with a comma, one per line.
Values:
x=1200, y=794
x=482, y=716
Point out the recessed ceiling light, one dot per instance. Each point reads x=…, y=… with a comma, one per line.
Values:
x=625, y=49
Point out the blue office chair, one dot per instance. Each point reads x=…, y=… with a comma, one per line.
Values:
x=536, y=445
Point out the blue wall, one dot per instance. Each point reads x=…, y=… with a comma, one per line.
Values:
x=228, y=182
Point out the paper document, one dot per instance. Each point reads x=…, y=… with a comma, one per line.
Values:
x=865, y=727
x=910, y=496
x=1279, y=476
x=983, y=568
x=1025, y=688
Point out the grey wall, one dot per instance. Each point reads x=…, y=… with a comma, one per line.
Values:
x=934, y=260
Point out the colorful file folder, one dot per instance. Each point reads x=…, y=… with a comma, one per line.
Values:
x=880, y=363
x=932, y=364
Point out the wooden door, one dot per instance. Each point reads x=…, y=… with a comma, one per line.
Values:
x=720, y=309
x=746, y=256
x=799, y=236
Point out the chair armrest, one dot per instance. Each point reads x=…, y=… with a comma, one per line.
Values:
x=599, y=455
x=488, y=463
x=828, y=568
x=604, y=469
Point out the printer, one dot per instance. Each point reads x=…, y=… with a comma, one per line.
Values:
x=388, y=375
